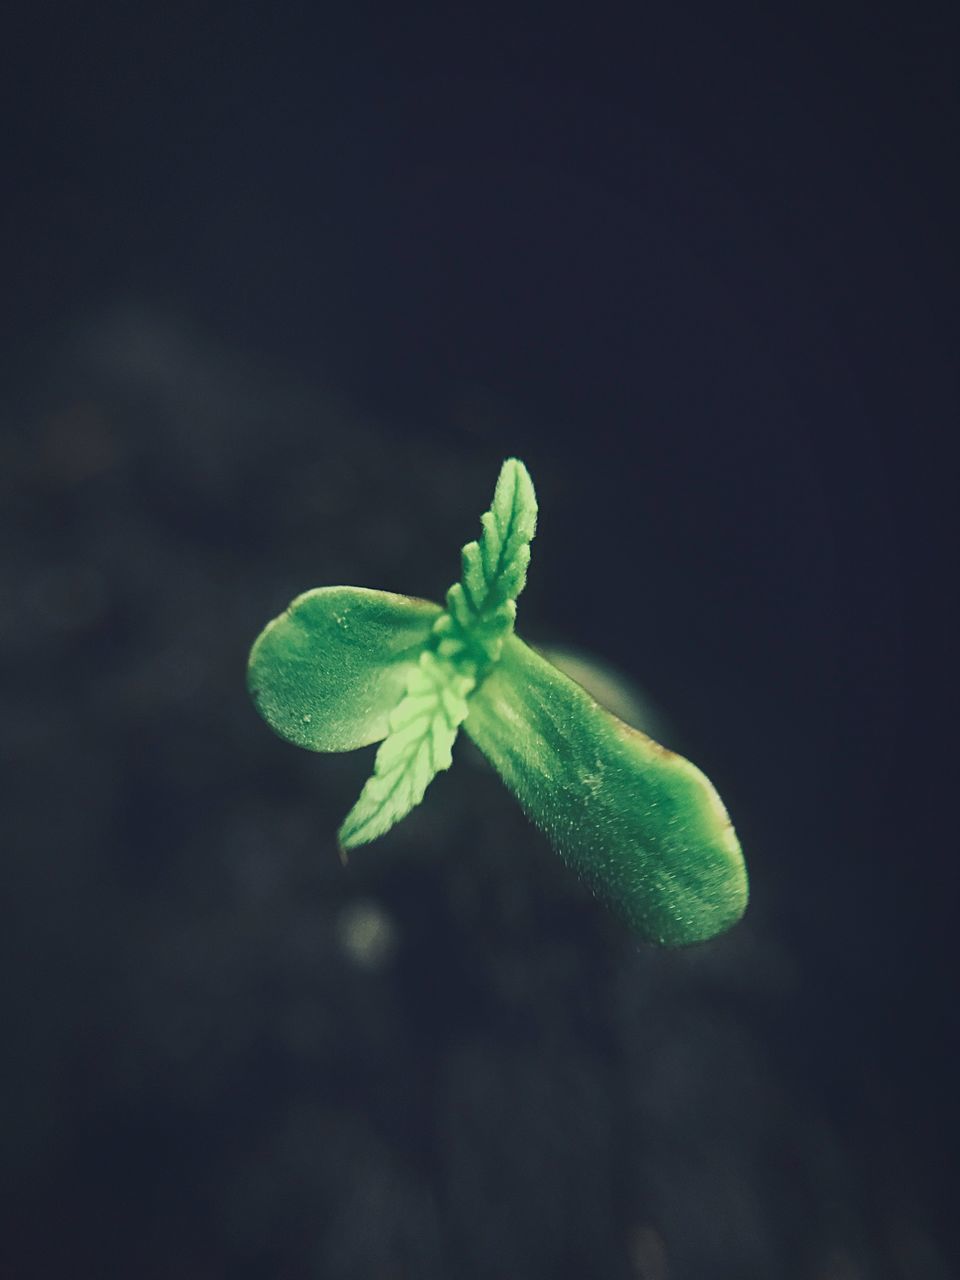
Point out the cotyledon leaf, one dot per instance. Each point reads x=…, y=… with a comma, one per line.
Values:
x=326, y=673
x=423, y=727
x=641, y=824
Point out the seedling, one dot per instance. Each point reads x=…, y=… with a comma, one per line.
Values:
x=344, y=667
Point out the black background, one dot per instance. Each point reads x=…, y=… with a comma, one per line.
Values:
x=281, y=288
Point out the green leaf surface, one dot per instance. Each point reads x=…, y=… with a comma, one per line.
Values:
x=326, y=673
x=641, y=824
x=423, y=727
x=481, y=607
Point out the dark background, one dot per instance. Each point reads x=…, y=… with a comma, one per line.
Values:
x=281, y=288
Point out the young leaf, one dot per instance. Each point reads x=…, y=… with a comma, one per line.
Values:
x=423, y=727
x=642, y=825
x=327, y=672
x=481, y=607
x=465, y=640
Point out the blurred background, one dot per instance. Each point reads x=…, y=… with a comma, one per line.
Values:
x=281, y=288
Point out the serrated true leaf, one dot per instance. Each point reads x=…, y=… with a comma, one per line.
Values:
x=423, y=727
x=641, y=824
x=327, y=671
x=508, y=529
x=482, y=605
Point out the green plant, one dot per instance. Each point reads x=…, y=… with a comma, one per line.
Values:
x=344, y=667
